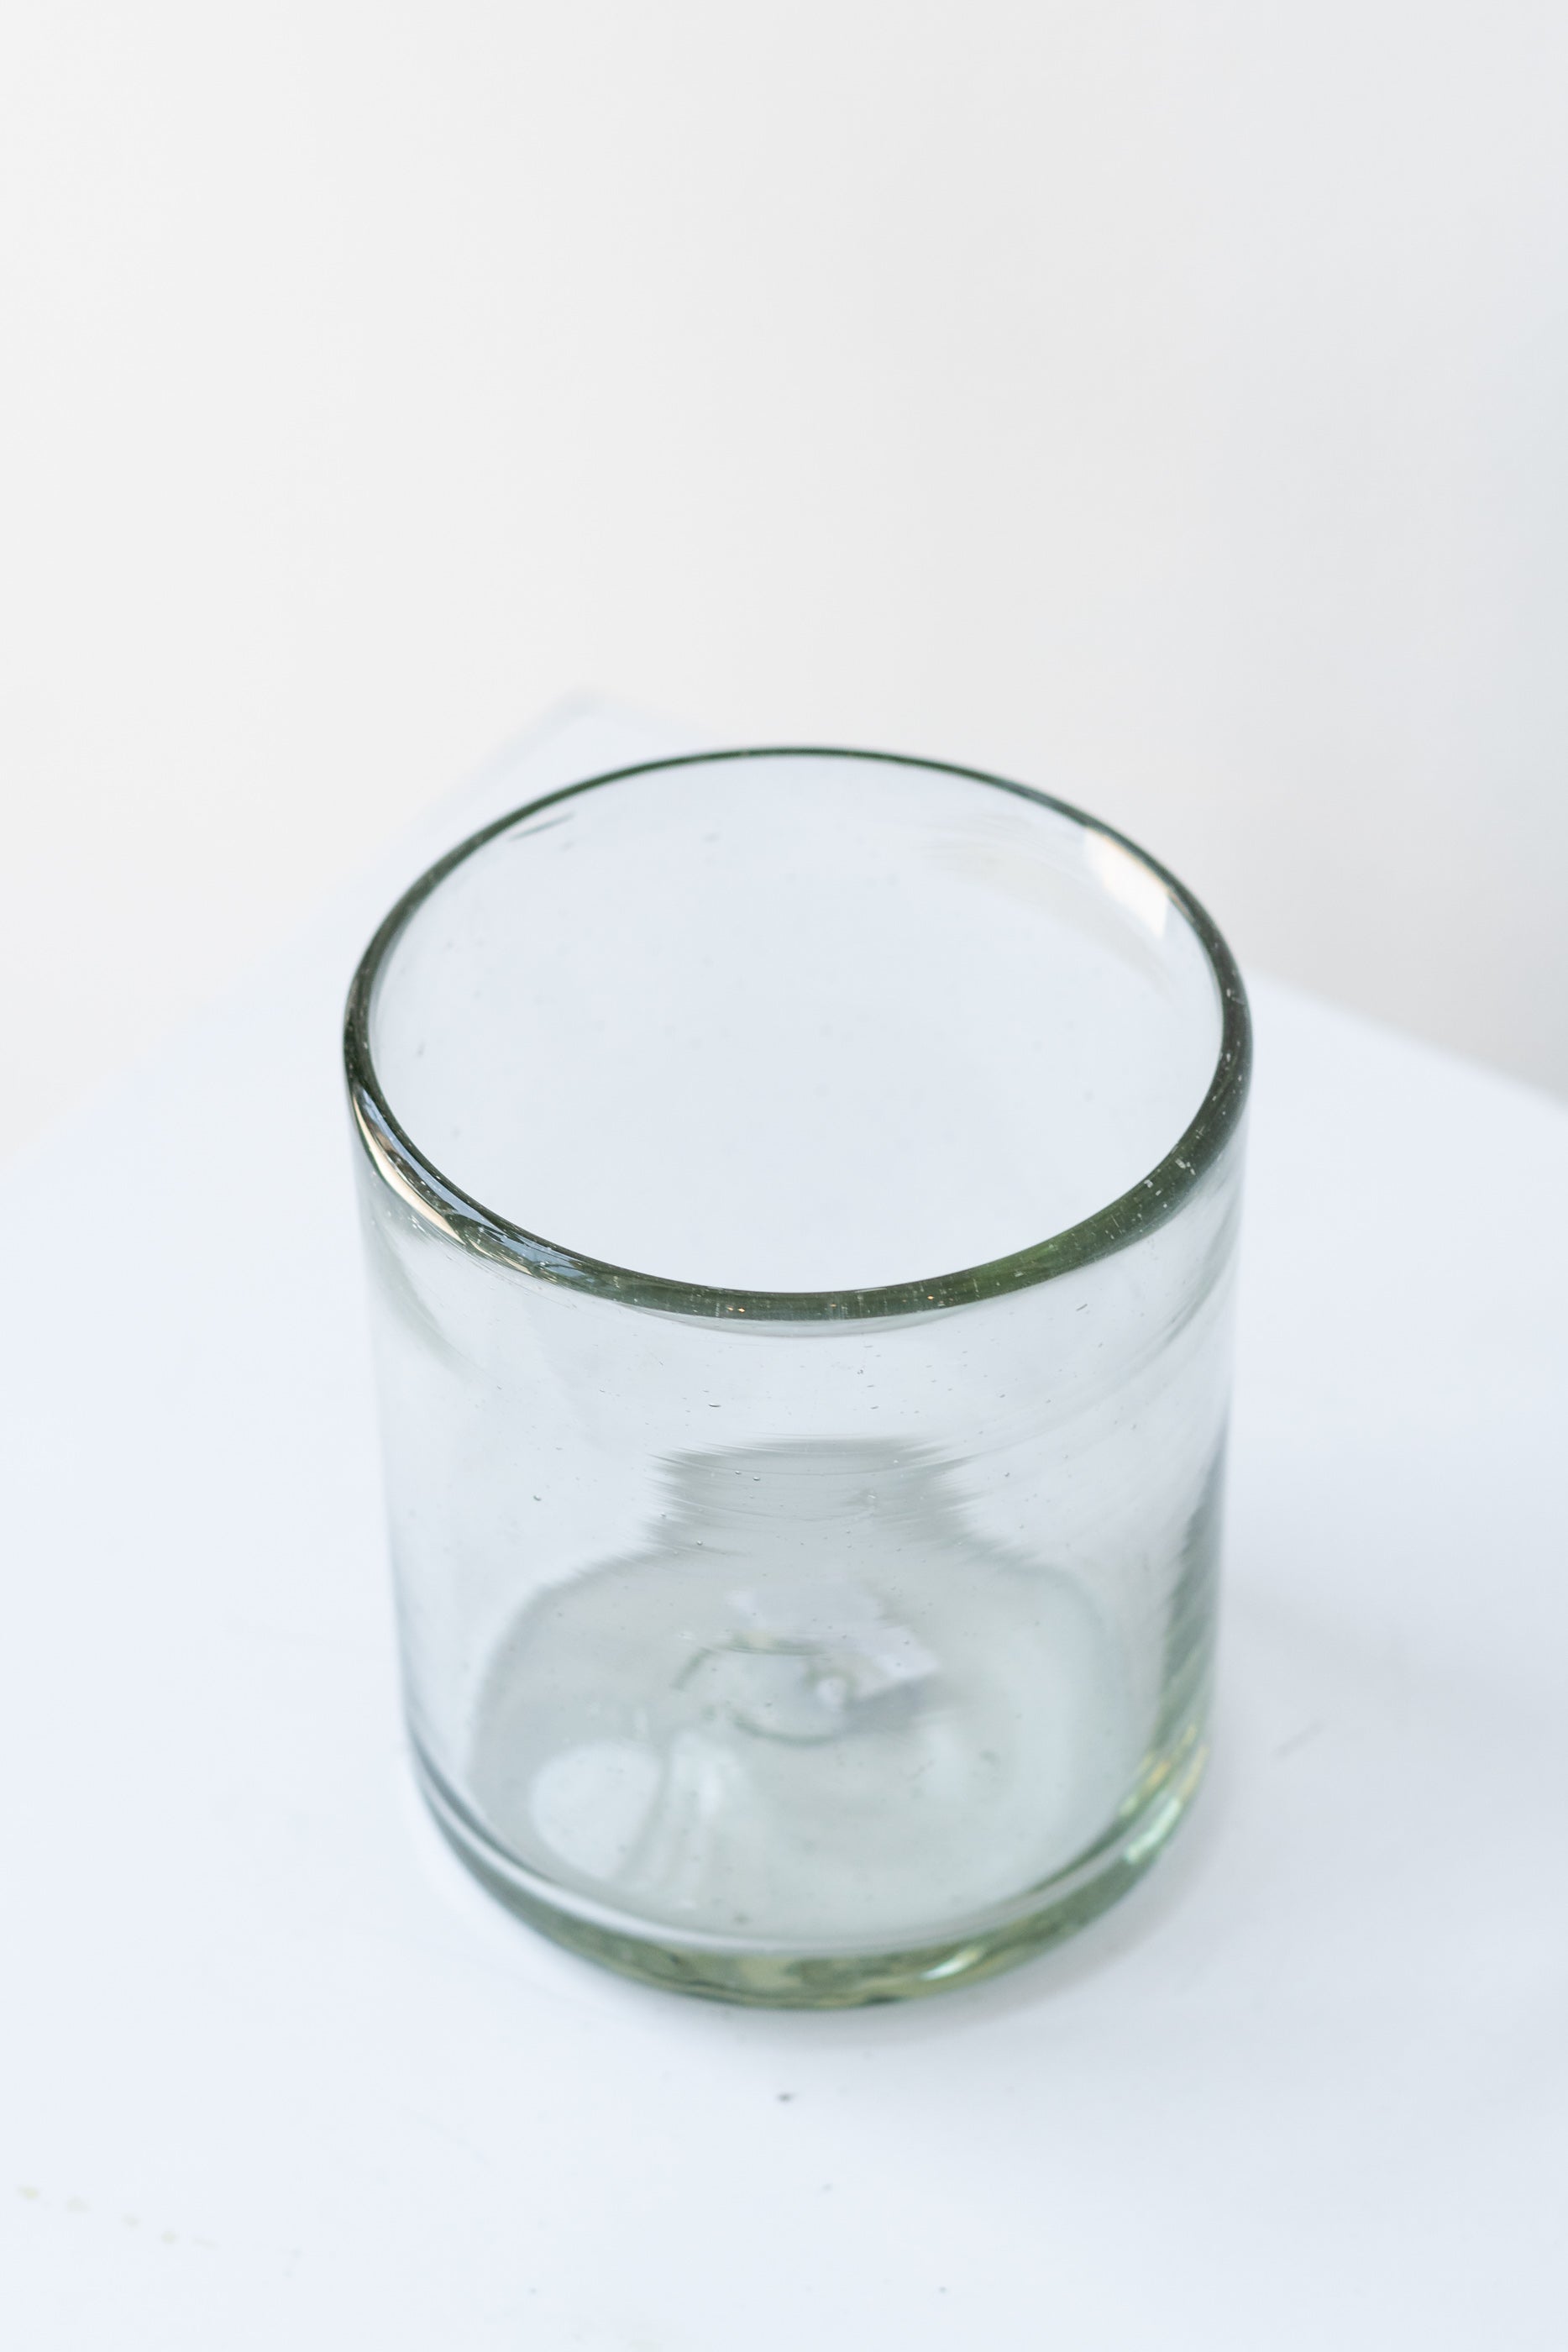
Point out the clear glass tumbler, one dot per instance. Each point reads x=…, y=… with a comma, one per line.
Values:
x=801, y=1190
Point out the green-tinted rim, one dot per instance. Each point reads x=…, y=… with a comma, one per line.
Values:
x=398, y=1160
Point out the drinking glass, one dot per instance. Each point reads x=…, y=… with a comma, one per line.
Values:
x=800, y=1191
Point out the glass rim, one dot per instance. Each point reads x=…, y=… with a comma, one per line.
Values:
x=1148, y=1204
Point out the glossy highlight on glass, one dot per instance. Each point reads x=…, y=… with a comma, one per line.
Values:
x=800, y=1191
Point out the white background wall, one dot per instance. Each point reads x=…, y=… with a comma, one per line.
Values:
x=1160, y=399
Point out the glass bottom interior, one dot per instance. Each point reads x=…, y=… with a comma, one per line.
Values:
x=785, y=1780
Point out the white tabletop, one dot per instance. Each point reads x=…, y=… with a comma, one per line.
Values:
x=273, y=2071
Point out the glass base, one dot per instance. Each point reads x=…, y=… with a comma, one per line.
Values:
x=714, y=1969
